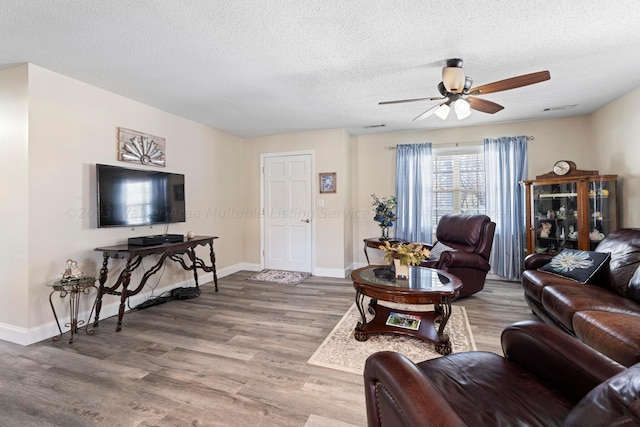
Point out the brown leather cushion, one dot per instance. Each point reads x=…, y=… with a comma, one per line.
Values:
x=464, y=378
x=633, y=289
x=615, y=402
x=563, y=301
x=461, y=231
x=624, y=245
x=612, y=334
x=534, y=282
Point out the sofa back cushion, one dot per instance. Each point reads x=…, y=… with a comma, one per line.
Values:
x=624, y=246
x=615, y=402
x=633, y=288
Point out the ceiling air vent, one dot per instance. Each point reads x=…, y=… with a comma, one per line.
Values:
x=374, y=126
x=562, y=107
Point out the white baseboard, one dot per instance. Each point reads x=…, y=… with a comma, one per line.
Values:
x=14, y=334
x=330, y=272
x=250, y=266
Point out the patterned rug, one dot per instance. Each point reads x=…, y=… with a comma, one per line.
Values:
x=280, y=276
x=341, y=351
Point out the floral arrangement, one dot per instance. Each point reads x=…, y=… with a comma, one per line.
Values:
x=407, y=253
x=384, y=210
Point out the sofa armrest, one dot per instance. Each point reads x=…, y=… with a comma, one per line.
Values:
x=461, y=259
x=557, y=358
x=398, y=393
x=535, y=261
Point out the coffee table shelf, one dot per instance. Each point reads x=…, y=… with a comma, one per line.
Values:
x=424, y=286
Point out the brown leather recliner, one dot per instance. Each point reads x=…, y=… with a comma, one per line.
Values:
x=546, y=378
x=472, y=237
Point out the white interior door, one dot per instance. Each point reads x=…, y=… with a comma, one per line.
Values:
x=287, y=212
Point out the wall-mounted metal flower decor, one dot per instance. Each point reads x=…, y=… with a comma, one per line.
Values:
x=137, y=147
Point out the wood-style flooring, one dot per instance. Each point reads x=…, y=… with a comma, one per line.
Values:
x=233, y=358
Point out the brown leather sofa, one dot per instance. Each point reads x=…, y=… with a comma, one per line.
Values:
x=546, y=378
x=471, y=237
x=605, y=312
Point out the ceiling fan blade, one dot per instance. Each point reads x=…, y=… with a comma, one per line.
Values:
x=512, y=83
x=484, y=105
x=429, y=112
x=408, y=100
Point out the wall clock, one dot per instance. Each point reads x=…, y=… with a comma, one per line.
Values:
x=563, y=167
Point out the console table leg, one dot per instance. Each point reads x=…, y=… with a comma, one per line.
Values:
x=103, y=279
x=213, y=265
x=194, y=266
x=126, y=278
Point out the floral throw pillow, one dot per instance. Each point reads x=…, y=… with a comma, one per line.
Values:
x=576, y=265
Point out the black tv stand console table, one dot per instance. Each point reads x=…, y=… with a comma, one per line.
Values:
x=134, y=254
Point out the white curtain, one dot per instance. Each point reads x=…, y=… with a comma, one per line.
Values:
x=505, y=168
x=414, y=183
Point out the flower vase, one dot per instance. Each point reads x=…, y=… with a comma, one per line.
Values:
x=402, y=271
x=385, y=232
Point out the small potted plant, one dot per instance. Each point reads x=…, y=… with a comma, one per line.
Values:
x=404, y=255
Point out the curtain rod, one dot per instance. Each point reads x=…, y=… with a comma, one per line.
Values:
x=454, y=144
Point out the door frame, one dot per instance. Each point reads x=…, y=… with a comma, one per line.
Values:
x=263, y=156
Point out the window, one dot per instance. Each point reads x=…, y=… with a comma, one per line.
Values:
x=458, y=181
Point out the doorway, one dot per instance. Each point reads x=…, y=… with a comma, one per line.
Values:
x=288, y=215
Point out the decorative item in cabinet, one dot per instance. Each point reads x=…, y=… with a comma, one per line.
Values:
x=573, y=211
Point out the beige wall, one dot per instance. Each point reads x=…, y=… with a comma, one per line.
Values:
x=616, y=136
x=14, y=202
x=375, y=164
x=73, y=126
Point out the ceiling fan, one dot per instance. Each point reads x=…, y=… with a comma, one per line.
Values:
x=457, y=92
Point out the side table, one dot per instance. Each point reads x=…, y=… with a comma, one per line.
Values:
x=73, y=288
x=375, y=242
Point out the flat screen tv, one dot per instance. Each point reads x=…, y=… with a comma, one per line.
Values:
x=133, y=197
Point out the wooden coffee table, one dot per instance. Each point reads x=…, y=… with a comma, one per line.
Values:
x=424, y=286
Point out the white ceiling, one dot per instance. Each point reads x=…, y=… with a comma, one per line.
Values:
x=262, y=67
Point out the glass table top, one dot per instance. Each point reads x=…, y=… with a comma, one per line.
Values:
x=67, y=284
x=420, y=279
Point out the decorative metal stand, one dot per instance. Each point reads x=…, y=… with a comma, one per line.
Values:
x=73, y=288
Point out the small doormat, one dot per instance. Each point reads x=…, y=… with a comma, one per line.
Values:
x=280, y=276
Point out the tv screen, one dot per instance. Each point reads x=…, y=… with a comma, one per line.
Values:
x=131, y=197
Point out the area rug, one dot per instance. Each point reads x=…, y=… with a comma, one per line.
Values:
x=280, y=276
x=341, y=351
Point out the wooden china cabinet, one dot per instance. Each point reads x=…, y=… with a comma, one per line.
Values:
x=570, y=208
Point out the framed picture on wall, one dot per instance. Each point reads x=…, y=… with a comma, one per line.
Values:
x=327, y=182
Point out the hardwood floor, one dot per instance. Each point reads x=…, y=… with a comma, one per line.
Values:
x=235, y=358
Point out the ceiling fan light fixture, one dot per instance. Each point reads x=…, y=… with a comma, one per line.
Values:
x=443, y=111
x=442, y=89
x=453, y=79
x=468, y=82
x=462, y=108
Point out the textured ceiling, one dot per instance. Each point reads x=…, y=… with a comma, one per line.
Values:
x=259, y=67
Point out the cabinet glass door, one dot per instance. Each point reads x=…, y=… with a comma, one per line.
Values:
x=602, y=210
x=555, y=217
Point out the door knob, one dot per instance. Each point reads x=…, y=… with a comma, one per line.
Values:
x=306, y=220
